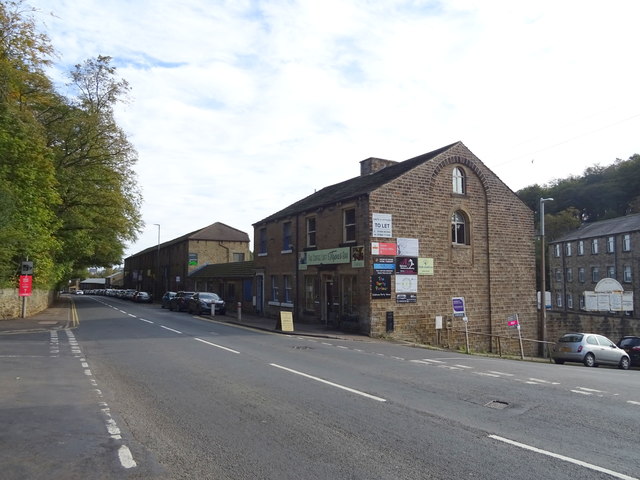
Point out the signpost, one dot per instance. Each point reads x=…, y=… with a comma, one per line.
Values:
x=514, y=321
x=25, y=284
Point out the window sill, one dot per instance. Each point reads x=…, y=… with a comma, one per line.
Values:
x=286, y=304
x=273, y=304
x=286, y=251
x=262, y=254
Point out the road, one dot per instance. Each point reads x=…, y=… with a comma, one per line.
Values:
x=139, y=392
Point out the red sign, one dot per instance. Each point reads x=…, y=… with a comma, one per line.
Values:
x=380, y=248
x=25, y=286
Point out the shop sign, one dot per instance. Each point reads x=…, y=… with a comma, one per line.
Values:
x=384, y=265
x=329, y=256
x=381, y=248
x=407, y=266
x=406, y=298
x=380, y=286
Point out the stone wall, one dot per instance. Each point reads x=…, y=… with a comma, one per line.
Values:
x=613, y=327
x=11, y=303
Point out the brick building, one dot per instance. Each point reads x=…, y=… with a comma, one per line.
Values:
x=388, y=251
x=171, y=262
x=579, y=262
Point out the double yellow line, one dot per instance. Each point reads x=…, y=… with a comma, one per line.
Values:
x=73, y=315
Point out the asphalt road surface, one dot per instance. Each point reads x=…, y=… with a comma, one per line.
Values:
x=139, y=392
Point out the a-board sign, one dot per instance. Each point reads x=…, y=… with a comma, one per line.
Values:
x=286, y=321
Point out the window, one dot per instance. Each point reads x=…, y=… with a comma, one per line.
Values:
x=263, y=241
x=569, y=301
x=558, y=275
x=459, y=234
x=459, y=183
x=594, y=246
x=595, y=274
x=288, y=298
x=581, y=247
x=611, y=272
x=238, y=257
x=626, y=275
x=274, y=288
x=581, y=275
x=311, y=232
x=626, y=242
x=611, y=244
x=568, y=275
x=310, y=289
x=558, y=300
x=349, y=295
x=556, y=250
x=582, y=302
x=349, y=225
x=567, y=249
x=287, y=243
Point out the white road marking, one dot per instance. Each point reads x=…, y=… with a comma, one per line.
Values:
x=126, y=459
x=171, y=329
x=502, y=373
x=463, y=366
x=317, y=379
x=148, y=321
x=633, y=402
x=131, y=315
x=217, y=346
x=580, y=391
x=565, y=459
x=487, y=374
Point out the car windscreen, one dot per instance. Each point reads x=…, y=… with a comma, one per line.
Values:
x=209, y=296
x=572, y=338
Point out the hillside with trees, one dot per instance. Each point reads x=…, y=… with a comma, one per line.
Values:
x=598, y=194
x=69, y=198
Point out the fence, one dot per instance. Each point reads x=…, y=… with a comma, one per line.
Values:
x=501, y=345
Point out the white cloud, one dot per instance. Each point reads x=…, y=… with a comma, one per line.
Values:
x=243, y=107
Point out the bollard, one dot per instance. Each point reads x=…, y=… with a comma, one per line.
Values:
x=239, y=311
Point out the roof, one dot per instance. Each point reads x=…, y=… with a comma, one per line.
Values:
x=612, y=226
x=354, y=187
x=225, y=270
x=217, y=232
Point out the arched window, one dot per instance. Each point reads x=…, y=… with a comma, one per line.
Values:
x=459, y=229
x=459, y=181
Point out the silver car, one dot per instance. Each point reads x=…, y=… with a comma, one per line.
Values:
x=589, y=348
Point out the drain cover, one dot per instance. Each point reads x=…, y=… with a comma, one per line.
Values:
x=497, y=404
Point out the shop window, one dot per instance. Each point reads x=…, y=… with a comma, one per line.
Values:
x=310, y=292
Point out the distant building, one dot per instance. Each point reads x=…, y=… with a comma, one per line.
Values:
x=580, y=261
x=405, y=243
x=167, y=266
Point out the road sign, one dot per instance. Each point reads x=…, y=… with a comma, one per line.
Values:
x=27, y=268
x=25, y=286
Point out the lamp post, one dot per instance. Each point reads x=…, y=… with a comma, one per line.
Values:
x=158, y=280
x=543, y=278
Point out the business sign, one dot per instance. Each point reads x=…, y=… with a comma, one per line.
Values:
x=380, y=286
x=425, y=266
x=25, y=286
x=458, y=306
x=406, y=284
x=407, y=266
x=357, y=257
x=512, y=321
x=381, y=248
x=382, y=225
x=330, y=256
x=193, y=259
x=384, y=265
x=407, y=247
x=406, y=298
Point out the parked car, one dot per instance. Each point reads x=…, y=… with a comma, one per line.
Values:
x=631, y=345
x=201, y=302
x=179, y=302
x=142, y=297
x=589, y=348
x=166, y=298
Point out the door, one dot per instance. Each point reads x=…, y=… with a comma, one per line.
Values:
x=259, y=294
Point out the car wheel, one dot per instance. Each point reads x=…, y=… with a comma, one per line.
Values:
x=624, y=363
x=558, y=361
x=589, y=360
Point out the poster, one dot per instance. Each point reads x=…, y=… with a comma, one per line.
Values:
x=381, y=248
x=382, y=225
x=406, y=284
x=407, y=266
x=384, y=265
x=407, y=247
x=380, y=286
x=357, y=257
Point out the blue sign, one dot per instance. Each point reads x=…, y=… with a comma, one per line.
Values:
x=458, y=306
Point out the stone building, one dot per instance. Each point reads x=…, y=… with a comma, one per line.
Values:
x=593, y=274
x=167, y=266
x=393, y=249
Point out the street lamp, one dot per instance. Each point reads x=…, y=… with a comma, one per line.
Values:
x=543, y=278
x=157, y=282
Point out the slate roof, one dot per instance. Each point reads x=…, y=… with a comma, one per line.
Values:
x=612, y=226
x=355, y=187
x=214, y=232
x=225, y=270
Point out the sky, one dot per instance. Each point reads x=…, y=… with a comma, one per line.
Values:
x=239, y=108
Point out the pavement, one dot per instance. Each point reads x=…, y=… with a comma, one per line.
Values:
x=61, y=315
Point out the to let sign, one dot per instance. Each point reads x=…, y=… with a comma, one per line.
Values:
x=25, y=285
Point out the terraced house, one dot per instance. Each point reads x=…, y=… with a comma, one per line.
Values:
x=594, y=278
x=410, y=249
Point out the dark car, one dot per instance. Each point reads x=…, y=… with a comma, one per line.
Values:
x=142, y=297
x=166, y=298
x=179, y=302
x=201, y=302
x=631, y=345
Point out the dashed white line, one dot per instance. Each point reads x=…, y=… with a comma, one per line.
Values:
x=148, y=321
x=487, y=374
x=171, y=329
x=321, y=380
x=633, y=402
x=217, y=346
x=564, y=458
